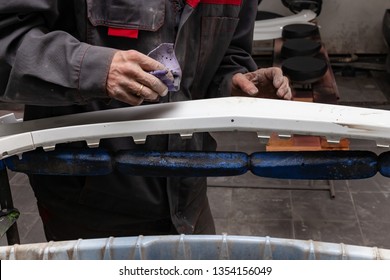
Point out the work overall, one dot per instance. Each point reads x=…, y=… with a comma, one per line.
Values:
x=55, y=57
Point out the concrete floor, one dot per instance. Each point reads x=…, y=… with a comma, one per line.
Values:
x=249, y=205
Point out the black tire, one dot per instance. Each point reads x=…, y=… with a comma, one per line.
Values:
x=296, y=6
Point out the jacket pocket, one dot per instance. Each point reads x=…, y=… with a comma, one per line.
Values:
x=136, y=14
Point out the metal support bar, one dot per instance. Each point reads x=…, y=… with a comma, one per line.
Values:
x=321, y=165
x=316, y=165
x=384, y=164
x=8, y=218
x=7, y=203
x=80, y=162
x=192, y=164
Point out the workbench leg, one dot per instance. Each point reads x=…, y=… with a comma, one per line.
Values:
x=7, y=203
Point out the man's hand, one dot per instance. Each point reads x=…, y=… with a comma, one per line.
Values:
x=129, y=81
x=264, y=82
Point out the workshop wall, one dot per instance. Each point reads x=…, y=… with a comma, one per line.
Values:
x=347, y=26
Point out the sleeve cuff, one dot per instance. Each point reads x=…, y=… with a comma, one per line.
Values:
x=94, y=69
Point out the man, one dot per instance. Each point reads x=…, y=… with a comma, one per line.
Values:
x=61, y=57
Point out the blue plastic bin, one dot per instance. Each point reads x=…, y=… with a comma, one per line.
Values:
x=191, y=247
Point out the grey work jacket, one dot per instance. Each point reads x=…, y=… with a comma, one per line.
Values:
x=55, y=56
